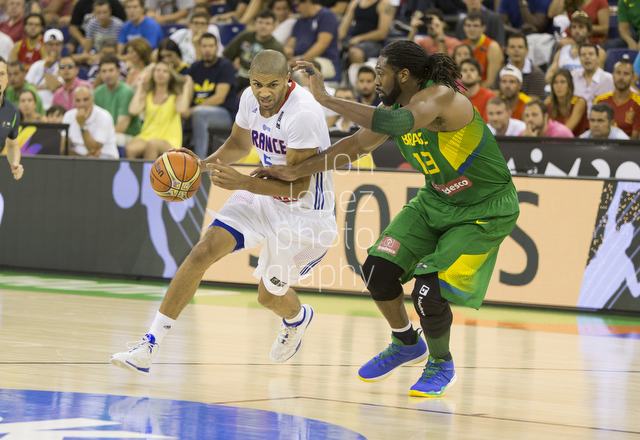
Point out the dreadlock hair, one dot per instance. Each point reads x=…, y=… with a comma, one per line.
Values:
x=439, y=68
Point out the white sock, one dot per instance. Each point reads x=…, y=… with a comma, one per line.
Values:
x=161, y=326
x=298, y=318
x=403, y=329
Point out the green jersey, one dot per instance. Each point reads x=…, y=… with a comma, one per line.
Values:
x=461, y=167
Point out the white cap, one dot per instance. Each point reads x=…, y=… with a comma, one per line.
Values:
x=53, y=34
x=513, y=71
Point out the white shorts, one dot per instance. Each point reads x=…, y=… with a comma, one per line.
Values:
x=293, y=242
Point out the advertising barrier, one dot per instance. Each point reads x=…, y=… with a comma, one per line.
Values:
x=576, y=243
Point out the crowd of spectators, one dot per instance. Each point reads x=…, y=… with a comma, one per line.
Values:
x=120, y=76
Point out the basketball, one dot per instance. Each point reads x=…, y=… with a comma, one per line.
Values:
x=175, y=176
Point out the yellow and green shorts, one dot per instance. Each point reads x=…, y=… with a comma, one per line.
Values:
x=460, y=243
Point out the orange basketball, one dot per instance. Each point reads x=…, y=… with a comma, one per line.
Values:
x=175, y=176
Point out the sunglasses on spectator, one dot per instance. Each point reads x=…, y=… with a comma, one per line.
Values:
x=579, y=14
x=67, y=66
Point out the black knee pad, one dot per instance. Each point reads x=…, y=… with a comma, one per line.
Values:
x=382, y=278
x=435, y=314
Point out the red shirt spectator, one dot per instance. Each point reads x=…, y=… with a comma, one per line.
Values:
x=14, y=26
x=626, y=114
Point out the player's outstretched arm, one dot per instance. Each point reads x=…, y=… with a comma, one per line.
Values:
x=237, y=146
x=425, y=106
x=342, y=153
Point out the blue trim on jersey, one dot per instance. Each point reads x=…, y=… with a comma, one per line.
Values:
x=476, y=152
x=236, y=234
x=311, y=265
x=318, y=202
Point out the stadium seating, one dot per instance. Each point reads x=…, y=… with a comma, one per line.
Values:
x=228, y=31
x=218, y=9
x=170, y=28
x=615, y=55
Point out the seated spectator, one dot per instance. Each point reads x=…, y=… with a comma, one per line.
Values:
x=536, y=117
x=246, y=45
x=138, y=57
x=55, y=114
x=532, y=76
x=625, y=103
x=57, y=12
x=590, y=80
x=315, y=37
x=114, y=95
x=364, y=28
x=564, y=106
x=461, y=52
x=478, y=95
x=31, y=48
x=214, y=103
x=14, y=25
x=91, y=132
x=6, y=46
x=495, y=27
x=109, y=47
x=485, y=50
x=510, y=89
x=163, y=97
x=499, y=121
x=234, y=14
x=18, y=83
x=43, y=74
x=636, y=70
x=188, y=39
x=172, y=11
x=628, y=27
x=103, y=25
x=567, y=57
x=535, y=23
x=252, y=9
x=169, y=51
x=27, y=107
x=366, y=87
x=436, y=41
x=601, y=122
x=82, y=14
x=338, y=7
x=341, y=124
x=69, y=73
x=597, y=11
x=138, y=26
x=284, y=20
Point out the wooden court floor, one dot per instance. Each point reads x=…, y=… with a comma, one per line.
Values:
x=513, y=383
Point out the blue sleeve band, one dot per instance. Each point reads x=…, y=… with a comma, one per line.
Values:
x=393, y=123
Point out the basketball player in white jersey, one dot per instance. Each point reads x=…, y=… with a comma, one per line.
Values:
x=295, y=221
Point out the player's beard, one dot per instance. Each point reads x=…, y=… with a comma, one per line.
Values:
x=391, y=98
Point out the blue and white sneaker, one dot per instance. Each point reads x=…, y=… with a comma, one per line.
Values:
x=139, y=357
x=438, y=375
x=395, y=355
x=290, y=337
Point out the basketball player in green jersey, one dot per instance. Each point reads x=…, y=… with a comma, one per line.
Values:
x=447, y=237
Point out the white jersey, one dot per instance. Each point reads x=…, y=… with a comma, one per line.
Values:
x=298, y=124
x=566, y=61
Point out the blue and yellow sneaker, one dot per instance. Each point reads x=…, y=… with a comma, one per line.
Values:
x=395, y=355
x=438, y=375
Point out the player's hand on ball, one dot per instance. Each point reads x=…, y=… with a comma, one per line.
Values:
x=223, y=176
x=17, y=170
x=193, y=155
x=280, y=172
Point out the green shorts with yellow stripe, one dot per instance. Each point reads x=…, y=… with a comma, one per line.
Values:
x=460, y=243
